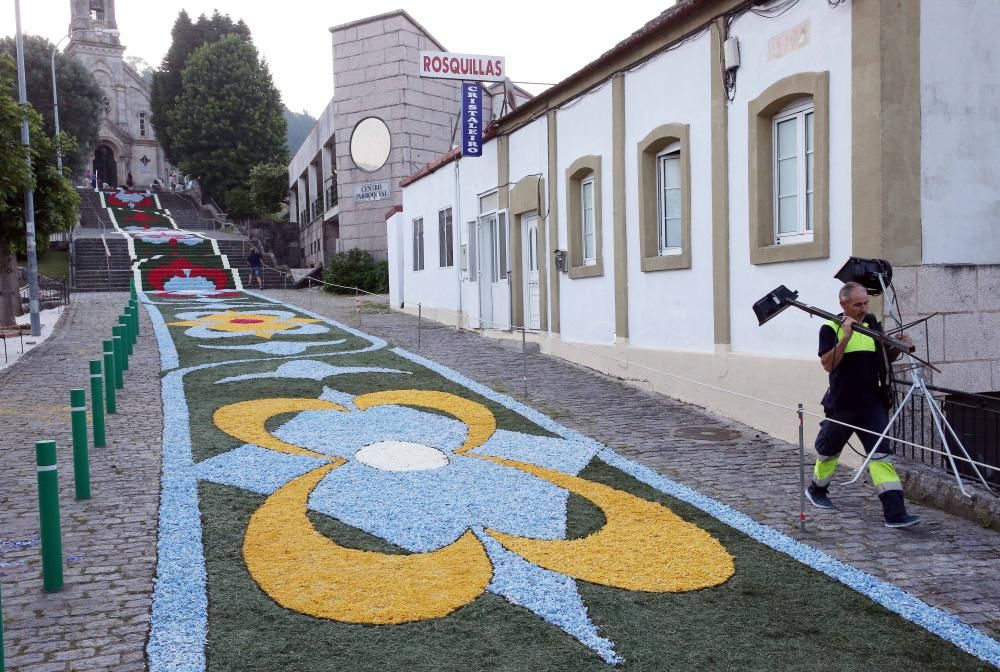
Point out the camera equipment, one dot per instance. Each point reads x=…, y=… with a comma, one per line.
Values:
x=871, y=273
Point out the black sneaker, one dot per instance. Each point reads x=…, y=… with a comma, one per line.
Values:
x=905, y=521
x=818, y=498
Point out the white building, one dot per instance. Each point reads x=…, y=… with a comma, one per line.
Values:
x=680, y=192
x=126, y=142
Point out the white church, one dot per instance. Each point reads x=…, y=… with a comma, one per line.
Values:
x=126, y=142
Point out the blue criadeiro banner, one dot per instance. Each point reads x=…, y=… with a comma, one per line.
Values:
x=472, y=119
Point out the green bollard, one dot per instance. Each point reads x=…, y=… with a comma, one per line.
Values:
x=130, y=311
x=81, y=460
x=97, y=404
x=48, y=516
x=126, y=332
x=134, y=314
x=119, y=356
x=109, y=377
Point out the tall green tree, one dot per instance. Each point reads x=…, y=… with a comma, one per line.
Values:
x=79, y=96
x=268, y=187
x=186, y=36
x=228, y=117
x=56, y=201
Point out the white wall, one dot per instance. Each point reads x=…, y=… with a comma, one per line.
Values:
x=672, y=309
x=529, y=155
x=478, y=176
x=434, y=285
x=583, y=127
x=960, y=131
x=827, y=49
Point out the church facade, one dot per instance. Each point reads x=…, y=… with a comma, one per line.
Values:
x=126, y=142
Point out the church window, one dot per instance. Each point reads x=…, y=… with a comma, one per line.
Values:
x=97, y=10
x=106, y=104
x=142, y=124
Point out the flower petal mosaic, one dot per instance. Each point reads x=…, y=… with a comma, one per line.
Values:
x=329, y=503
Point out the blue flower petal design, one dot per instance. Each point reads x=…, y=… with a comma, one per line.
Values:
x=255, y=469
x=565, y=455
x=552, y=597
x=343, y=434
x=310, y=370
x=277, y=347
x=426, y=510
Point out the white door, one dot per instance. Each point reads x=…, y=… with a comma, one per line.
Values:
x=486, y=271
x=531, y=315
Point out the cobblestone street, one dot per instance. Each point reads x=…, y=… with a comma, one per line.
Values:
x=100, y=620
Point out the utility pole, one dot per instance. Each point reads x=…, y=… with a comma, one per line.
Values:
x=29, y=195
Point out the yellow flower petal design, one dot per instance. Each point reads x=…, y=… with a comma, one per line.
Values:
x=245, y=421
x=307, y=572
x=476, y=417
x=643, y=546
x=259, y=324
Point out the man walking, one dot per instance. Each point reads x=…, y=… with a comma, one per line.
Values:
x=256, y=267
x=858, y=395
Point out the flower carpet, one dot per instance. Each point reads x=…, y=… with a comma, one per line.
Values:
x=330, y=502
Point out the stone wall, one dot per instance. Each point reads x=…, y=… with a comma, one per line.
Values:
x=963, y=339
x=375, y=74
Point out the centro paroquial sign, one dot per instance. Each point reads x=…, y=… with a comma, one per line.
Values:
x=371, y=191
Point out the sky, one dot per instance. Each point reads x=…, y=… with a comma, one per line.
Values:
x=542, y=41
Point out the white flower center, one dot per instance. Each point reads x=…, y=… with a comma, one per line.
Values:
x=401, y=456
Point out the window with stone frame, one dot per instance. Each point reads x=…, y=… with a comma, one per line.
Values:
x=664, y=170
x=789, y=168
x=583, y=217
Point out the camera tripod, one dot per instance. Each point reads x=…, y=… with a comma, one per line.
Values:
x=919, y=387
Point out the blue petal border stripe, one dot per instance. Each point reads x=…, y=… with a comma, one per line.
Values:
x=944, y=625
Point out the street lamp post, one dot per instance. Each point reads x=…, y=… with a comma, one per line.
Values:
x=55, y=92
x=29, y=194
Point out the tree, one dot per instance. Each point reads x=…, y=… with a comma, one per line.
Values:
x=167, y=81
x=56, y=201
x=268, y=186
x=79, y=96
x=141, y=67
x=228, y=116
x=299, y=126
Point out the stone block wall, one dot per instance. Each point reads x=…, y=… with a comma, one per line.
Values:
x=963, y=339
x=375, y=74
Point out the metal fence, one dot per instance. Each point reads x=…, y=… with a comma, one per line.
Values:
x=975, y=419
x=51, y=293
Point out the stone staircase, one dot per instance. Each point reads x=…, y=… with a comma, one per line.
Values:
x=95, y=270
x=98, y=269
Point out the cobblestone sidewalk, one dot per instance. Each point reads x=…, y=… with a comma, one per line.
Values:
x=100, y=620
x=948, y=562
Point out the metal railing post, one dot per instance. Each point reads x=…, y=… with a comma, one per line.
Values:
x=524, y=357
x=802, y=472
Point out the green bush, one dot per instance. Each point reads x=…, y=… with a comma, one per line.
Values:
x=356, y=268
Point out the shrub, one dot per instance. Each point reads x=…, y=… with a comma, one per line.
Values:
x=356, y=268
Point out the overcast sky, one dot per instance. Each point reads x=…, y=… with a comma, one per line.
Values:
x=541, y=41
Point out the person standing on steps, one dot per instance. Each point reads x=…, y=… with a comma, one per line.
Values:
x=256, y=267
x=858, y=395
